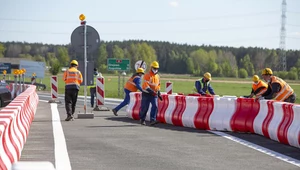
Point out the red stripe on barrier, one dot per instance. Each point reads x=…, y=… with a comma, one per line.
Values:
x=162, y=107
x=136, y=107
x=201, y=118
x=2, y=164
x=243, y=118
x=266, y=122
x=287, y=119
x=4, y=142
x=299, y=138
x=178, y=110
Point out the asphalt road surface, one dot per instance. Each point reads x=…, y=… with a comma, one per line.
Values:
x=109, y=142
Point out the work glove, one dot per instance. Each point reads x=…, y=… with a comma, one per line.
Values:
x=159, y=95
x=150, y=91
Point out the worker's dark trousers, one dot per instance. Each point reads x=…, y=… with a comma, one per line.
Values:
x=70, y=100
x=93, y=95
x=291, y=99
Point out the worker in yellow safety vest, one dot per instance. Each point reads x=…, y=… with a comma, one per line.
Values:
x=72, y=78
x=278, y=89
x=93, y=87
x=203, y=86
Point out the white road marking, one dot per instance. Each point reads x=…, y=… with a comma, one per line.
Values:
x=62, y=161
x=43, y=101
x=259, y=148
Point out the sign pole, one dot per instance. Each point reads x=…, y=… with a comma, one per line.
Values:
x=85, y=68
x=119, y=84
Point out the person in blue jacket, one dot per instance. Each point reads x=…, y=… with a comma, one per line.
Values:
x=132, y=85
x=203, y=85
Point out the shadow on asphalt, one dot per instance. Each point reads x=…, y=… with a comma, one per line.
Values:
x=284, y=149
x=160, y=125
x=122, y=126
x=287, y=150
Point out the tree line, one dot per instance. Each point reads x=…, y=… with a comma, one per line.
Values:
x=221, y=61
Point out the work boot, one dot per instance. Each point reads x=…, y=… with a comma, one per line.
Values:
x=142, y=122
x=115, y=112
x=69, y=118
x=152, y=123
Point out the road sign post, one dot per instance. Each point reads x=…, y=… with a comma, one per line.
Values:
x=120, y=65
x=85, y=39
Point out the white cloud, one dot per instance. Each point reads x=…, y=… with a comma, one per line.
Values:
x=174, y=3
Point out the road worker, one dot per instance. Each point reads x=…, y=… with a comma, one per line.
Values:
x=73, y=79
x=258, y=87
x=151, y=90
x=203, y=86
x=132, y=85
x=93, y=87
x=278, y=89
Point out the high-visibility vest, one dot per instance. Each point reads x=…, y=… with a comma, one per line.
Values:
x=72, y=77
x=151, y=81
x=130, y=85
x=285, y=90
x=259, y=88
x=94, y=85
x=202, y=86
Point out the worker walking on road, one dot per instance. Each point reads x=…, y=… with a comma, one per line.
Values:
x=151, y=90
x=73, y=79
x=93, y=87
x=278, y=89
x=132, y=85
x=203, y=86
x=258, y=87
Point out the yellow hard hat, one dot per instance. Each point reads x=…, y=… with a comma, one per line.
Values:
x=140, y=70
x=207, y=75
x=267, y=71
x=155, y=64
x=255, y=78
x=74, y=62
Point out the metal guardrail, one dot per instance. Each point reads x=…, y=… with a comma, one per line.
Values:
x=39, y=85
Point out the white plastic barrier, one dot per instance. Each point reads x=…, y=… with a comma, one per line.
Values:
x=263, y=117
x=224, y=108
x=190, y=111
x=293, y=133
x=170, y=109
x=274, y=124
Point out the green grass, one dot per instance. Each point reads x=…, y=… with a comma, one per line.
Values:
x=183, y=85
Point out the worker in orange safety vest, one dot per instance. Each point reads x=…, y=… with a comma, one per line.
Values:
x=258, y=88
x=278, y=89
x=72, y=78
x=132, y=85
x=151, y=90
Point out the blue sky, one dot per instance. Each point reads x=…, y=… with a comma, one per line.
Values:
x=216, y=22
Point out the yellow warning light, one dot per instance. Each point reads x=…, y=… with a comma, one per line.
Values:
x=82, y=17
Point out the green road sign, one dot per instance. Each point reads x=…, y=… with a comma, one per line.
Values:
x=118, y=64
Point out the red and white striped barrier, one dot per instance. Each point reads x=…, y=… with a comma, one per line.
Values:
x=15, y=121
x=169, y=87
x=54, y=87
x=100, y=93
x=278, y=121
x=33, y=80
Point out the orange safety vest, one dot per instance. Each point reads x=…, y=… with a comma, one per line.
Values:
x=285, y=90
x=130, y=85
x=151, y=81
x=261, y=86
x=72, y=76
